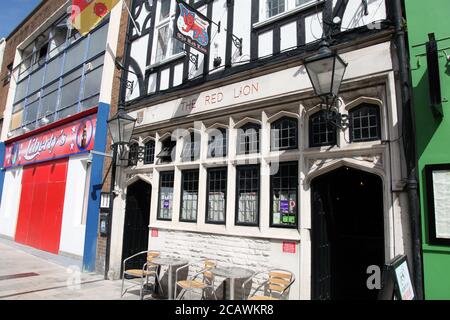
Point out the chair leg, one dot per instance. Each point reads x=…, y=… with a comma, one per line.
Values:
x=123, y=281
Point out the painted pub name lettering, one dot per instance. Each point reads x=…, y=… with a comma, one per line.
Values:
x=238, y=93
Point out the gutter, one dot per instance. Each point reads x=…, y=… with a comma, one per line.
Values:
x=409, y=144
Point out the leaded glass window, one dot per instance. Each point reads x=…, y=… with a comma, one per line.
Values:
x=166, y=195
x=248, y=185
x=365, y=123
x=284, y=134
x=217, y=195
x=284, y=194
x=321, y=132
x=189, y=196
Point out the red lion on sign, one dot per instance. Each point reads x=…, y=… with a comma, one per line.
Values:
x=199, y=33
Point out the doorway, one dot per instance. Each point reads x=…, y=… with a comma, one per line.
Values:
x=137, y=220
x=347, y=234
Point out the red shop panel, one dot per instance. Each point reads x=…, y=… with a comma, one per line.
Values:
x=41, y=205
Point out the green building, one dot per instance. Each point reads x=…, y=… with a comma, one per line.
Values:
x=430, y=69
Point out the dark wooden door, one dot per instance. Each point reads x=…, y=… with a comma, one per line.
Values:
x=137, y=220
x=347, y=233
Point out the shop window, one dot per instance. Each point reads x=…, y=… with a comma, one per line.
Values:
x=321, y=132
x=284, y=195
x=217, y=195
x=189, y=196
x=166, y=195
x=191, y=147
x=285, y=134
x=365, y=123
x=167, y=153
x=149, y=152
x=218, y=143
x=133, y=155
x=247, y=195
x=248, y=139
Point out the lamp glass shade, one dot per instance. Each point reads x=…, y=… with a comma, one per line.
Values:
x=326, y=71
x=121, y=127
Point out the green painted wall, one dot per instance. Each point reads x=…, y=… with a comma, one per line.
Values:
x=433, y=133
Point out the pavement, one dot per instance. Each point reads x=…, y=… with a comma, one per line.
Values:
x=29, y=274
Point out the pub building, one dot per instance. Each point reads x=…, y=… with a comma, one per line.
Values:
x=54, y=129
x=235, y=158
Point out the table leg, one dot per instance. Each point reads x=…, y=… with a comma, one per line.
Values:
x=170, y=284
x=231, y=289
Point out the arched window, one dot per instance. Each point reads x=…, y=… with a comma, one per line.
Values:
x=133, y=155
x=218, y=143
x=191, y=147
x=149, y=152
x=167, y=153
x=248, y=139
x=321, y=132
x=365, y=123
x=284, y=134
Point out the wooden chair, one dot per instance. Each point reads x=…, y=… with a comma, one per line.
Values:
x=276, y=287
x=141, y=275
x=192, y=284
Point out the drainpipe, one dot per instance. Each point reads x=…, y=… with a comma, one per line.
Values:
x=409, y=141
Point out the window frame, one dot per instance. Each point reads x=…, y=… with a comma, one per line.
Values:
x=208, y=221
x=258, y=211
x=281, y=226
x=149, y=142
x=311, y=143
x=378, y=115
x=158, y=216
x=272, y=134
x=289, y=5
x=225, y=137
x=245, y=127
x=159, y=24
x=195, y=153
x=183, y=172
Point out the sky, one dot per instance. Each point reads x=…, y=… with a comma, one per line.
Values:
x=13, y=12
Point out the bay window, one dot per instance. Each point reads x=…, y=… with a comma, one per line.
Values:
x=166, y=180
x=247, y=195
x=189, y=196
x=284, y=195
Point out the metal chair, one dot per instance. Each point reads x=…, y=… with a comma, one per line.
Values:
x=276, y=287
x=192, y=284
x=141, y=275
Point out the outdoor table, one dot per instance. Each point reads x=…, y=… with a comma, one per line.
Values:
x=170, y=263
x=232, y=273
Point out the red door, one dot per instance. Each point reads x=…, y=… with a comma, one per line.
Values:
x=41, y=205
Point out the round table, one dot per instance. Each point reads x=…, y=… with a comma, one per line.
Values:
x=170, y=262
x=232, y=273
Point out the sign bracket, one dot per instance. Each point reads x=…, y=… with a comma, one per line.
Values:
x=192, y=58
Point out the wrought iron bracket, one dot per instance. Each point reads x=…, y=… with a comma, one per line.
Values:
x=192, y=58
x=237, y=43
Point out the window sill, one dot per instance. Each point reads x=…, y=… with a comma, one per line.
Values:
x=236, y=231
x=285, y=14
x=165, y=61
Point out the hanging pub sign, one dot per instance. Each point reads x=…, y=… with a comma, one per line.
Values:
x=72, y=138
x=191, y=27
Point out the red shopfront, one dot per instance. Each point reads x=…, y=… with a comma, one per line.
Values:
x=44, y=156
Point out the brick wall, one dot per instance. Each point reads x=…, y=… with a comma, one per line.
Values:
x=29, y=26
x=101, y=243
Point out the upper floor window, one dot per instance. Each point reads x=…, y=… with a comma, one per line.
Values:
x=248, y=139
x=365, y=123
x=133, y=155
x=217, y=143
x=274, y=7
x=167, y=153
x=321, y=132
x=166, y=46
x=191, y=147
x=284, y=134
x=149, y=152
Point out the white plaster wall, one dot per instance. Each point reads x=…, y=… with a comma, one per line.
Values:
x=354, y=15
x=72, y=230
x=241, y=28
x=288, y=35
x=218, y=40
x=313, y=27
x=9, y=206
x=265, y=44
x=257, y=255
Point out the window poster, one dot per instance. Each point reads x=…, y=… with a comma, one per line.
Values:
x=441, y=190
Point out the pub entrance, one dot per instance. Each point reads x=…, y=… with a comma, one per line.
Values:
x=137, y=220
x=347, y=233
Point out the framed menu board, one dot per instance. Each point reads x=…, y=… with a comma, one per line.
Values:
x=438, y=198
x=397, y=282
